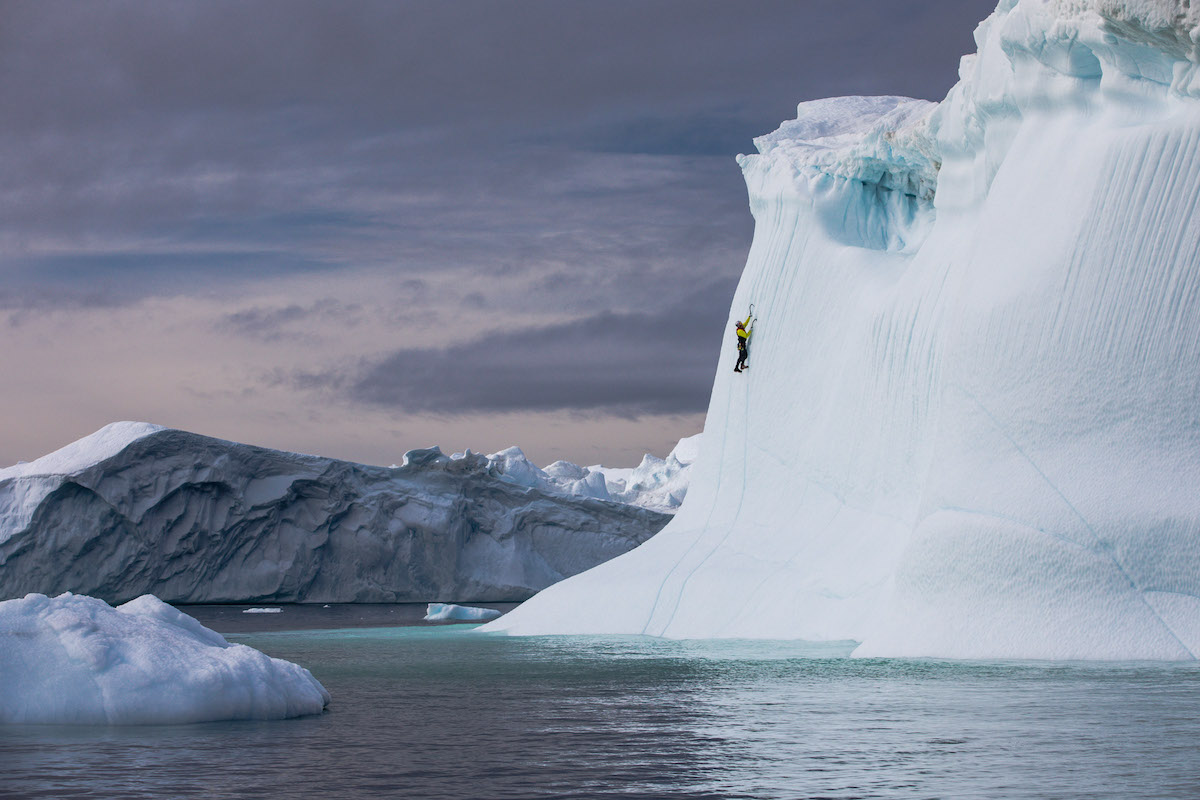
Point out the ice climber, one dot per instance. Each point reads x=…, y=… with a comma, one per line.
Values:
x=744, y=329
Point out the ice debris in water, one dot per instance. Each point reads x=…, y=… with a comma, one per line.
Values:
x=440, y=612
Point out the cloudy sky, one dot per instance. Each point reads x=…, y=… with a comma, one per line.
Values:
x=355, y=228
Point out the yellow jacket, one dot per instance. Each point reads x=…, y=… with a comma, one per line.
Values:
x=744, y=331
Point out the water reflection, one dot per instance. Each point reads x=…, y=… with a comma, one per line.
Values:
x=447, y=713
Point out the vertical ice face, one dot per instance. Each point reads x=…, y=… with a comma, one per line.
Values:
x=971, y=426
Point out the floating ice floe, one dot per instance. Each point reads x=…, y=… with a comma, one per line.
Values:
x=75, y=659
x=440, y=612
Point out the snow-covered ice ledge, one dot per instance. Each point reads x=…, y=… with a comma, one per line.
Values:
x=74, y=659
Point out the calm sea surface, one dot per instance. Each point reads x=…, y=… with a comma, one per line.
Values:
x=425, y=711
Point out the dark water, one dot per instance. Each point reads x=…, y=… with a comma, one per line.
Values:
x=233, y=619
x=442, y=712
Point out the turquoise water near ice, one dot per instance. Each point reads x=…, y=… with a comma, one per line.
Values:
x=443, y=712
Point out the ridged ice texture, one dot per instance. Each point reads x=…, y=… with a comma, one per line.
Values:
x=136, y=509
x=659, y=484
x=976, y=431
x=77, y=660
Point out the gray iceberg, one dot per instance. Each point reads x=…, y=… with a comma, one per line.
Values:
x=138, y=509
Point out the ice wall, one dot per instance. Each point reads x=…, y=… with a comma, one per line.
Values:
x=971, y=427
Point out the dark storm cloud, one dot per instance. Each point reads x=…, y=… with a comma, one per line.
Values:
x=622, y=364
x=275, y=322
x=581, y=152
x=383, y=64
x=277, y=123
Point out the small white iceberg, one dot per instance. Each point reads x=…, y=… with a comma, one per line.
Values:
x=440, y=612
x=264, y=610
x=74, y=659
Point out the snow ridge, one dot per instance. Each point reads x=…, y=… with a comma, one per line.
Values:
x=658, y=484
x=104, y=443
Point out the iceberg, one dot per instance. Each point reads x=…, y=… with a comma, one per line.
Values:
x=442, y=612
x=139, y=509
x=659, y=484
x=77, y=660
x=971, y=426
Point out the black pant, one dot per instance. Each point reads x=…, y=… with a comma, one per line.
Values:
x=743, y=354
